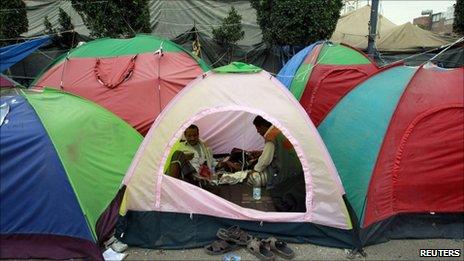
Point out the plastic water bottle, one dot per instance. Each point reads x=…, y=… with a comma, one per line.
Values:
x=256, y=192
x=231, y=257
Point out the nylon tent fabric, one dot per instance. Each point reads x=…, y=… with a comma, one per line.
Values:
x=324, y=75
x=159, y=197
x=287, y=73
x=362, y=139
x=5, y=81
x=62, y=162
x=134, y=78
x=11, y=54
x=396, y=140
x=437, y=95
x=238, y=67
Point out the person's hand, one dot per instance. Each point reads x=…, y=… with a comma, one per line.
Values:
x=252, y=162
x=256, y=153
x=221, y=165
x=234, y=166
x=251, y=178
x=188, y=156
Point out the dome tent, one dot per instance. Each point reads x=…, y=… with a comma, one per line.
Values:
x=7, y=82
x=134, y=78
x=322, y=73
x=166, y=212
x=412, y=39
x=62, y=162
x=396, y=140
x=352, y=28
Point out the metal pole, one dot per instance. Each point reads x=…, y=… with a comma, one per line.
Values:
x=372, y=28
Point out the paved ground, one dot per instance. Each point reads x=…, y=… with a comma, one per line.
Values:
x=392, y=250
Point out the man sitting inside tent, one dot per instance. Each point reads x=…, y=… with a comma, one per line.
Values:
x=279, y=169
x=193, y=160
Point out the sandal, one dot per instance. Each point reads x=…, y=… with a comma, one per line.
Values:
x=220, y=247
x=279, y=247
x=234, y=234
x=257, y=248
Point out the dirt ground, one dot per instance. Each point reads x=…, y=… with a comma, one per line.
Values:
x=392, y=250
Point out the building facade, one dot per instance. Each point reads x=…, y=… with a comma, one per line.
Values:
x=439, y=23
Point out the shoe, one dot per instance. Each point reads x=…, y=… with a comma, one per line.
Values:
x=260, y=250
x=119, y=246
x=279, y=247
x=109, y=242
x=220, y=247
x=234, y=234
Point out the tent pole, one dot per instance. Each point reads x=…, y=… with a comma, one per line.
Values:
x=372, y=28
x=160, y=53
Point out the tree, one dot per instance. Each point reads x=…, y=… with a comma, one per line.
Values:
x=115, y=18
x=458, y=25
x=66, y=29
x=230, y=32
x=64, y=35
x=296, y=22
x=65, y=21
x=48, y=26
x=13, y=19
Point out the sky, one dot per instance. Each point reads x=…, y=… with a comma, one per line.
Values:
x=400, y=12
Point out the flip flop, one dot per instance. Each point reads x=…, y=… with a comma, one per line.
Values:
x=220, y=247
x=279, y=247
x=234, y=234
x=257, y=248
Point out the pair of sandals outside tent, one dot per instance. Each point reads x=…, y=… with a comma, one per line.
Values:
x=233, y=238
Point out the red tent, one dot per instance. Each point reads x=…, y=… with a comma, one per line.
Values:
x=397, y=140
x=6, y=82
x=134, y=78
x=321, y=74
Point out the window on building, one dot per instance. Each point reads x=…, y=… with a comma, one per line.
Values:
x=436, y=17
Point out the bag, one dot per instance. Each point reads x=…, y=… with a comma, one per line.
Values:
x=205, y=171
x=238, y=155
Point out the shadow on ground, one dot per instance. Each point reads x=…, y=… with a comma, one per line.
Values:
x=392, y=250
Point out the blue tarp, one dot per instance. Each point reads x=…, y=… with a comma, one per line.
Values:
x=11, y=54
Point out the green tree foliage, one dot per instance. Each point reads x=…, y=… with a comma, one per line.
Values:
x=458, y=25
x=296, y=22
x=48, y=26
x=230, y=32
x=65, y=21
x=13, y=19
x=114, y=18
x=65, y=35
x=66, y=29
